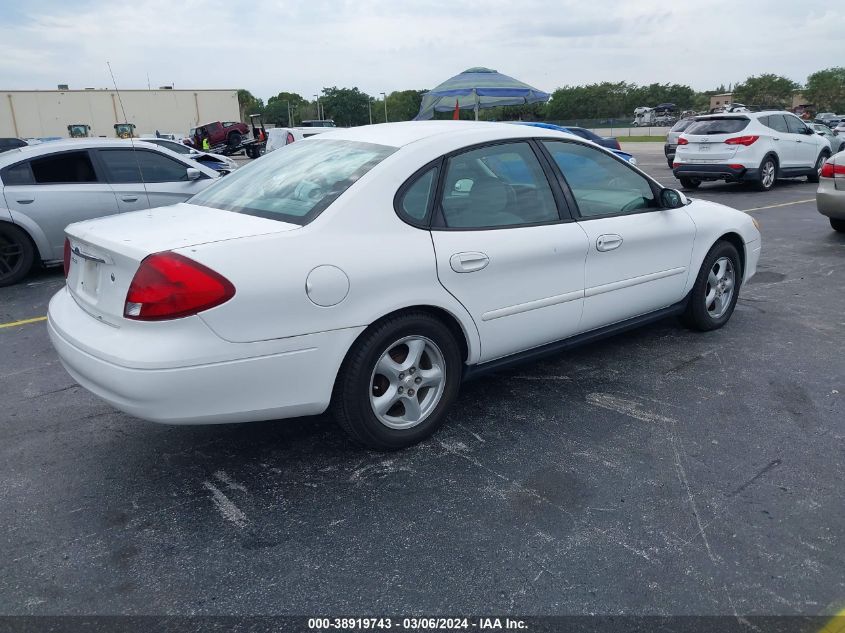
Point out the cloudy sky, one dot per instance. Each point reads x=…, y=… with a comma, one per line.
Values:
x=379, y=45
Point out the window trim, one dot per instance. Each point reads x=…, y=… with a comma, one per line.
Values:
x=656, y=187
x=438, y=222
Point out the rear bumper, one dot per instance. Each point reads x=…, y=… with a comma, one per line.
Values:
x=716, y=172
x=830, y=201
x=669, y=150
x=224, y=382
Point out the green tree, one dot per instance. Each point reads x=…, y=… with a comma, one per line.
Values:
x=347, y=106
x=826, y=90
x=276, y=110
x=766, y=90
x=248, y=104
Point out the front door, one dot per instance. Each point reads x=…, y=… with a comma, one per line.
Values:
x=143, y=178
x=639, y=253
x=503, y=251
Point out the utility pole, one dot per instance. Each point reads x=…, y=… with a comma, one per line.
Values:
x=287, y=103
x=317, y=97
x=370, y=108
x=385, y=106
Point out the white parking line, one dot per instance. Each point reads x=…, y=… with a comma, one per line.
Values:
x=782, y=204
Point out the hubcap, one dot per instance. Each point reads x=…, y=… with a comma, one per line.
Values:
x=768, y=174
x=407, y=382
x=720, y=287
x=11, y=255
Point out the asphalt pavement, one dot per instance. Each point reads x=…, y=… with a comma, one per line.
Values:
x=657, y=472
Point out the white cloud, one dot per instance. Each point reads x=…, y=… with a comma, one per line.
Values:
x=377, y=45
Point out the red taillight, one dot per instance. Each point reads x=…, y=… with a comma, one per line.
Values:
x=618, y=146
x=832, y=170
x=290, y=139
x=169, y=286
x=67, y=257
x=741, y=140
x=683, y=141
x=736, y=166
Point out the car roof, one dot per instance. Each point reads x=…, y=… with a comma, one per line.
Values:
x=407, y=132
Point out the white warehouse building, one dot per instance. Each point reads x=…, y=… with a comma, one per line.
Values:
x=42, y=113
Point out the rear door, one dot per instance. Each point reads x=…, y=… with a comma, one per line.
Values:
x=638, y=253
x=143, y=178
x=505, y=252
x=56, y=190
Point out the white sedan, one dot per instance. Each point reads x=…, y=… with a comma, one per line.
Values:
x=369, y=270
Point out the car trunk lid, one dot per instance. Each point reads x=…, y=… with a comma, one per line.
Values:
x=106, y=253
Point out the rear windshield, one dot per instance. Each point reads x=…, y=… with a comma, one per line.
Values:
x=681, y=125
x=724, y=125
x=296, y=182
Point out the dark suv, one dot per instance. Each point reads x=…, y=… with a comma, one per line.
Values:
x=11, y=143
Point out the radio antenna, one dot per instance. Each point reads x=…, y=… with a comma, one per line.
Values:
x=131, y=136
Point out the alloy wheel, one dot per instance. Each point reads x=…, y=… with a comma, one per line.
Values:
x=720, y=288
x=11, y=255
x=408, y=382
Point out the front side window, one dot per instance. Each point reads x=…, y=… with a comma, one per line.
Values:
x=135, y=166
x=497, y=186
x=795, y=125
x=69, y=167
x=297, y=182
x=416, y=200
x=601, y=184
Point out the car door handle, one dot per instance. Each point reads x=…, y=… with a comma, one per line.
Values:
x=608, y=242
x=27, y=201
x=468, y=262
x=775, y=138
x=129, y=198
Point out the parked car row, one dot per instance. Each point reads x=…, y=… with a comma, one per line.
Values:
x=45, y=187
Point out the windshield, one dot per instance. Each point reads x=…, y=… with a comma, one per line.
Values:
x=295, y=183
x=681, y=125
x=718, y=126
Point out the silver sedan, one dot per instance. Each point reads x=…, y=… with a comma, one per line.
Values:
x=830, y=197
x=43, y=188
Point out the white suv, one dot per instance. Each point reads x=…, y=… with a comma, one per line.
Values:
x=756, y=147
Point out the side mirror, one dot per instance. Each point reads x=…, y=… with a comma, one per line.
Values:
x=672, y=199
x=193, y=174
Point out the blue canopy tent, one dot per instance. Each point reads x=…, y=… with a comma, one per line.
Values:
x=478, y=88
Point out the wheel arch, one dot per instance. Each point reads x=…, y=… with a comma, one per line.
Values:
x=737, y=242
x=35, y=235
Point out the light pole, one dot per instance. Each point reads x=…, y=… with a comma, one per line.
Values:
x=317, y=97
x=370, y=108
x=287, y=103
x=385, y=106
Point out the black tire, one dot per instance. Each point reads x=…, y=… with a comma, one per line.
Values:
x=234, y=139
x=817, y=170
x=670, y=162
x=837, y=225
x=17, y=254
x=696, y=316
x=690, y=183
x=760, y=184
x=351, y=404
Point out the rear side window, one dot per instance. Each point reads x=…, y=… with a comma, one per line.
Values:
x=416, y=200
x=296, y=182
x=497, y=186
x=776, y=122
x=19, y=174
x=68, y=167
x=126, y=166
x=718, y=126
